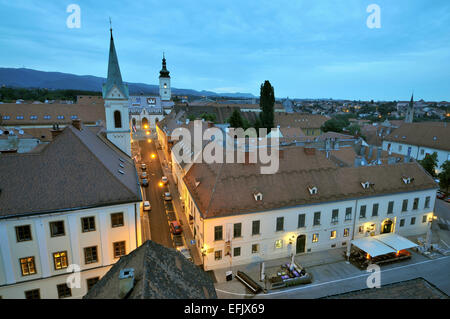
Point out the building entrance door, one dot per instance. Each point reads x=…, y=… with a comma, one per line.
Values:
x=387, y=227
x=301, y=244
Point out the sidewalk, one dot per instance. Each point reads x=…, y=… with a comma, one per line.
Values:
x=181, y=216
x=309, y=260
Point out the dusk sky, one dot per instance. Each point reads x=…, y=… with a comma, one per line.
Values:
x=306, y=49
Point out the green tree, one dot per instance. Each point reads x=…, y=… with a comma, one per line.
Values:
x=429, y=163
x=444, y=176
x=354, y=129
x=236, y=119
x=336, y=124
x=266, y=103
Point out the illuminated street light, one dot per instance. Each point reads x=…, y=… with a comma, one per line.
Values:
x=149, y=140
x=153, y=155
x=160, y=184
x=148, y=133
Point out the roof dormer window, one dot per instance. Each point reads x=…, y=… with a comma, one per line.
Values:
x=407, y=180
x=365, y=185
x=312, y=190
x=258, y=196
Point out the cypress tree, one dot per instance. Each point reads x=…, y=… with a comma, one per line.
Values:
x=266, y=103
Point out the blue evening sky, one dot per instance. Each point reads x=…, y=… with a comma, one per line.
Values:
x=305, y=48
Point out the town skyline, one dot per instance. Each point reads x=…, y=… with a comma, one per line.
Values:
x=320, y=51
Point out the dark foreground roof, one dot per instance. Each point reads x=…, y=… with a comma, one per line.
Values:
x=160, y=273
x=78, y=169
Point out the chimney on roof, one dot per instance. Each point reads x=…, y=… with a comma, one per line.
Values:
x=55, y=131
x=362, y=150
x=370, y=152
x=391, y=160
x=336, y=144
x=126, y=282
x=379, y=155
x=310, y=150
x=77, y=124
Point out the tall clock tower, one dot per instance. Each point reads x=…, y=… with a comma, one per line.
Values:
x=115, y=95
x=164, y=82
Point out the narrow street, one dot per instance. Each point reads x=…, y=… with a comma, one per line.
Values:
x=159, y=227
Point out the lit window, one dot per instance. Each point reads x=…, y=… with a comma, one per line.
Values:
x=255, y=248
x=333, y=234
x=279, y=243
x=60, y=260
x=27, y=266
x=346, y=232
x=315, y=238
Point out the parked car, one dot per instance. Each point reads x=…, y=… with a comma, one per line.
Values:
x=144, y=175
x=440, y=195
x=143, y=166
x=175, y=227
x=144, y=182
x=185, y=252
x=167, y=196
x=147, y=205
x=447, y=199
x=164, y=179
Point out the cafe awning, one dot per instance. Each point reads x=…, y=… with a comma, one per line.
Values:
x=372, y=246
x=395, y=241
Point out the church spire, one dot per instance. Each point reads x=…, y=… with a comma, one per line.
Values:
x=114, y=75
x=409, y=118
x=164, y=73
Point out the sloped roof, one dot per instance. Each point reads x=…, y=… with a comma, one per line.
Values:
x=160, y=273
x=227, y=189
x=78, y=169
x=87, y=113
x=429, y=134
x=300, y=120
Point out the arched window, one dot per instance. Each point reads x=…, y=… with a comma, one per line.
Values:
x=117, y=119
x=145, y=123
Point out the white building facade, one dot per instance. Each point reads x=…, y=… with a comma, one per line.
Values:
x=279, y=233
x=40, y=253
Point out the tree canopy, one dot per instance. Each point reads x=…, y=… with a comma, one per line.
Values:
x=429, y=163
x=266, y=103
x=444, y=176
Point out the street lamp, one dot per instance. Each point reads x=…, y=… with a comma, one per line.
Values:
x=153, y=155
x=429, y=234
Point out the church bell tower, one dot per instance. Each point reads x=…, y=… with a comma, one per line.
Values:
x=115, y=95
x=164, y=82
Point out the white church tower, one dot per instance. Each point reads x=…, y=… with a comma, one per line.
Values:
x=409, y=118
x=115, y=95
x=164, y=82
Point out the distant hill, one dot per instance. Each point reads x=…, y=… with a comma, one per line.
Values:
x=29, y=78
